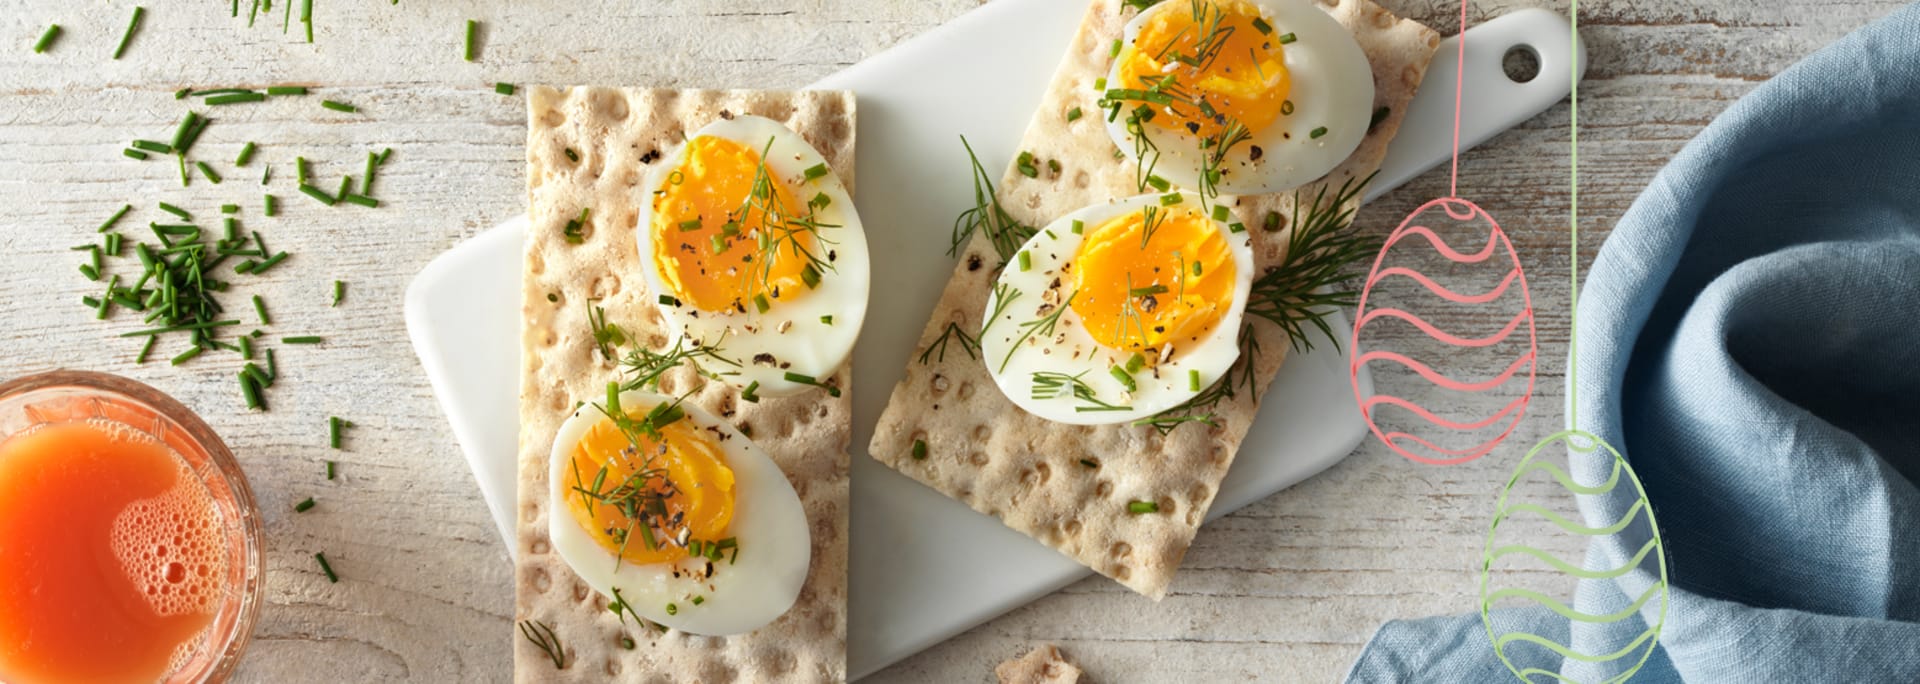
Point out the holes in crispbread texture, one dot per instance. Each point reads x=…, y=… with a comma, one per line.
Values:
x=581, y=593
x=1071, y=529
x=610, y=104
x=1103, y=488
x=1120, y=551
x=718, y=672
x=781, y=110
x=539, y=580
x=940, y=384
x=1043, y=473
x=557, y=399
x=539, y=547
x=966, y=390
x=603, y=287
x=1121, y=572
x=530, y=513
x=775, y=662
x=820, y=412
x=536, y=264
x=612, y=668
x=981, y=433
x=1082, y=179
x=977, y=458
x=552, y=118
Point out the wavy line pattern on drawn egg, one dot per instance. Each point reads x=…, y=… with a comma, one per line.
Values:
x=1438, y=440
x=1518, y=556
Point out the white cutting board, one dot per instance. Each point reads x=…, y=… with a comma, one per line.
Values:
x=925, y=567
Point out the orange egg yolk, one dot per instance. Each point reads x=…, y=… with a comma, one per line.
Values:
x=1170, y=289
x=707, y=236
x=1217, y=55
x=650, y=489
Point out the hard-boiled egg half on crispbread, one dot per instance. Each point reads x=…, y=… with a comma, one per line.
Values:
x=675, y=516
x=1119, y=311
x=753, y=244
x=1261, y=95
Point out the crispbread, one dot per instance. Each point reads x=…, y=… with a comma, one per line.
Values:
x=1033, y=474
x=1045, y=664
x=617, y=133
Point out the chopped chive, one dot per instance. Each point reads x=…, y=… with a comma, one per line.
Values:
x=718, y=242
x=339, y=292
x=304, y=506
x=388, y=152
x=366, y=179
x=267, y=202
x=322, y=557
x=246, y=155
x=183, y=143
x=229, y=209
x=250, y=391
x=1261, y=25
x=1196, y=269
x=919, y=449
x=809, y=380
x=816, y=171
x=246, y=348
x=1073, y=114
x=1171, y=199
x=503, y=88
x=1286, y=38
x=1100, y=83
x=1090, y=463
x=260, y=309
x=669, y=300
x=361, y=200
x=1379, y=115
x=572, y=156
x=1286, y=107
x=820, y=201
x=1159, y=183
x=235, y=98
x=184, y=179
x=306, y=16
x=673, y=609
x=1317, y=132
x=690, y=224
x=135, y=154
x=287, y=90
x=146, y=349
x=1193, y=379
x=339, y=106
x=186, y=356
x=182, y=93
x=300, y=169
x=1271, y=222
x=1114, y=51
x=1079, y=226
x=334, y=427
x=1220, y=213
x=1025, y=165
x=1121, y=375
x=827, y=319
x=331, y=468
x=90, y=271
x=1147, y=291
x=810, y=276
x=113, y=244
x=207, y=171
x=269, y=262
x=1136, y=362
x=750, y=394
x=318, y=194
x=133, y=26
x=473, y=33
x=152, y=146
x=760, y=303
x=1026, y=261
x=46, y=39
x=697, y=600
x=176, y=211
x=1143, y=507
x=346, y=186
x=301, y=339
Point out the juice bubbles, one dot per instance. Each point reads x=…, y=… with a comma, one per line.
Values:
x=118, y=556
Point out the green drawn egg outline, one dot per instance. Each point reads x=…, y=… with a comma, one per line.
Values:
x=1647, y=639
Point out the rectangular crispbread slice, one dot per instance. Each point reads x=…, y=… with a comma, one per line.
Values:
x=1031, y=473
x=617, y=133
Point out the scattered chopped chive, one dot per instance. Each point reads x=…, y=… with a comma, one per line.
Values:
x=186, y=355
x=669, y=300
x=690, y=224
x=361, y=200
x=1147, y=291
x=331, y=467
x=334, y=427
x=229, y=209
x=346, y=187
x=1317, y=132
x=46, y=39
x=260, y=308
x=1073, y=114
x=1115, y=50
x=751, y=393
x=827, y=319
x=388, y=152
x=1286, y=38
x=626, y=642
x=135, y=154
x=301, y=339
x=306, y=16
x=146, y=349
x=1261, y=25
x=184, y=179
x=269, y=262
x=1171, y=199
x=810, y=276
x=133, y=26
x=1026, y=261
x=503, y=88
x=322, y=557
x=287, y=90
x=303, y=506
x=1121, y=375
x=318, y=194
x=1271, y=222
x=1100, y=83
x=1220, y=214
x=246, y=155
x=235, y=98
x=300, y=169
x=473, y=33
x=760, y=303
x=366, y=179
x=1196, y=269
x=1090, y=463
x=113, y=244
x=176, y=211
x=246, y=348
x=339, y=292
x=1054, y=166
x=1136, y=362
x=338, y=106
x=1159, y=183
x=268, y=201
x=182, y=93
x=718, y=242
x=816, y=171
x=1193, y=379
x=90, y=271
x=250, y=391
x=919, y=449
x=1143, y=507
x=820, y=201
x=1025, y=165
x=152, y=146
x=697, y=600
x=809, y=380
x=1286, y=107
x=1079, y=226
x=207, y=171
x=189, y=131
x=673, y=609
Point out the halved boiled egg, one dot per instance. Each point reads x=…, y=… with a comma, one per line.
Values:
x=1285, y=70
x=754, y=247
x=675, y=514
x=1119, y=311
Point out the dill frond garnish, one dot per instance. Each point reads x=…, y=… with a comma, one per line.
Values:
x=987, y=216
x=938, y=350
x=1043, y=325
x=1003, y=295
x=644, y=367
x=1050, y=385
x=1307, y=284
x=546, y=640
x=780, y=229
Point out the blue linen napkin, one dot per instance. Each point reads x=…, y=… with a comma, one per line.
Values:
x=1749, y=338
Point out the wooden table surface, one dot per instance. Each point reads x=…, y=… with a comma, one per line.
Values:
x=1287, y=589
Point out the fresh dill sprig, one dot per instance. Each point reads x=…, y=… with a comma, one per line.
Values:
x=1307, y=284
x=780, y=229
x=1200, y=408
x=938, y=349
x=1003, y=295
x=1043, y=325
x=1050, y=385
x=644, y=367
x=545, y=639
x=987, y=216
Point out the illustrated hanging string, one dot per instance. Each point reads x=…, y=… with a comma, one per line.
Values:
x=1459, y=83
x=1573, y=214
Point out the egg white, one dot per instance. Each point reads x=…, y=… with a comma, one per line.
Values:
x=1332, y=87
x=758, y=586
x=791, y=336
x=1072, y=350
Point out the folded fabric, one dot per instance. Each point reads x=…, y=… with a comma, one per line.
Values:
x=1749, y=338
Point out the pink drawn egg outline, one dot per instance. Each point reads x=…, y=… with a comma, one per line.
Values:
x=1514, y=410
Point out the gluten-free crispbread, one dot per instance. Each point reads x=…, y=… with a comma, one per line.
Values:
x=617, y=133
x=1069, y=486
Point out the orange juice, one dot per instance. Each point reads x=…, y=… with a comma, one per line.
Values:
x=117, y=559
